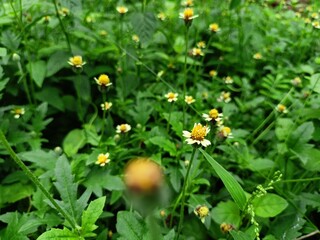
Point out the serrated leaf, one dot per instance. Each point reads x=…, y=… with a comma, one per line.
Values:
x=144, y=25
x=233, y=187
x=165, y=144
x=226, y=212
x=301, y=136
x=269, y=205
x=58, y=234
x=38, y=71
x=73, y=141
x=91, y=215
x=129, y=227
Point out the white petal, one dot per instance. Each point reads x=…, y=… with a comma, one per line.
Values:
x=205, y=142
x=186, y=134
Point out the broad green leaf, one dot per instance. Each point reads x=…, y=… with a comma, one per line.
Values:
x=315, y=82
x=83, y=87
x=52, y=96
x=175, y=121
x=234, y=4
x=300, y=136
x=269, y=205
x=144, y=25
x=91, y=215
x=73, y=142
x=226, y=212
x=165, y=144
x=129, y=227
x=284, y=127
x=3, y=52
x=238, y=235
x=38, y=71
x=56, y=62
x=260, y=164
x=233, y=187
x=14, y=192
x=58, y=234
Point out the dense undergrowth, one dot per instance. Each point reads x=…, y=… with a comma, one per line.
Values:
x=159, y=119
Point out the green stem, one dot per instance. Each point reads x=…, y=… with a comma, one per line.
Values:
x=184, y=187
x=185, y=75
x=25, y=84
x=169, y=118
x=301, y=180
x=62, y=26
x=103, y=116
x=34, y=179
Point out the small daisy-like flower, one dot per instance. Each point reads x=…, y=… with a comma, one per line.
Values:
x=189, y=99
x=316, y=25
x=135, y=38
x=225, y=227
x=188, y=3
x=188, y=15
x=161, y=16
x=296, y=82
x=76, y=62
x=143, y=175
x=90, y=19
x=214, y=27
x=213, y=73
x=307, y=20
x=225, y=132
x=64, y=11
x=281, y=108
x=213, y=115
x=298, y=15
x=103, y=159
x=197, y=52
x=197, y=135
x=163, y=213
x=103, y=80
x=106, y=106
x=46, y=19
x=315, y=15
x=17, y=112
x=205, y=95
x=103, y=33
x=172, y=97
x=228, y=80
x=201, y=44
x=123, y=128
x=224, y=97
x=202, y=212
x=257, y=56
x=122, y=9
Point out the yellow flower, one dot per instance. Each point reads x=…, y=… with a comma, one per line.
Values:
x=161, y=16
x=225, y=132
x=135, y=38
x=281, y=108
x=225, y=227
x=213, y=115
x=257, y=56
x=103, y=33
x=103, y=159
x=315, y=15
x=122, y=9
x=202, y=212
x=228, y=80
x=197, y=135
x=46, y=19
x=201, y=44
x=188, y=3
x=17, y=112
x=103, y=80
x=213, y=73
x=307, y=20
x=64, y=11
x=316, y=25
x=143, y=175
x=172, y=97
x=76, y=62
x=224, y=97
x=189, y=99
x=106, y=106
x=123, y=128
x=197, y=52
x=187, y=15
x=214, y=27
x=296, y=81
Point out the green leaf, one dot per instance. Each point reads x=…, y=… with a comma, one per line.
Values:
x=52, y=96
x=165, y=144
x=73, y=142
x=315, y=82
x=91, y=215
x=129, y=227
x=301, y=136
x=3, y=52
x=238, y=235
x=144, y=25
x=56, y=62
x=226, y=212
x=83, y=87
x=283, y=128
x=58, y=234
x=233, y=187
x=234, y=4
x=14, y=192
x=38, y=71
x=269, y=205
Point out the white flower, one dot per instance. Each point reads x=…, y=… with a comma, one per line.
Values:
x=103, y=159
x=197, y=135
x=172, y=97
x=123, y=128
x=213, y=115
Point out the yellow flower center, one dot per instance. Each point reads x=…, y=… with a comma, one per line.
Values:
x=214, y=27
x=188, y=14
x=213, y=73
x=171, y=95
x=123, y=127
x=226, y=95
x=198, y=132
x=102, y=158
x=104, y=79
x=226, y=131
x=214, y=113
x=203, y=211
x=76, y=60
x=281, y=107
x=18, y=111
x=122, y=9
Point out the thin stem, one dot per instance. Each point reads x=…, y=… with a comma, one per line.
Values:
x=184, y=187
x=103, y=115
x=34, y=179
x=62, y=27
x=185, y=74
x=301, y=180
x=169, y=118
x=25, y=84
